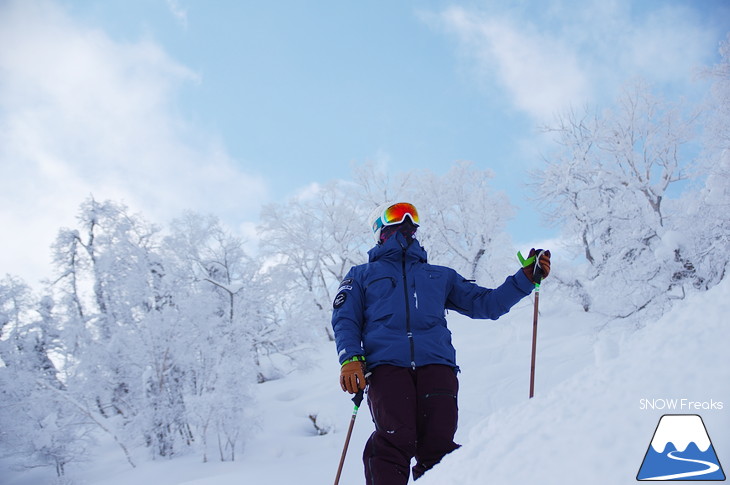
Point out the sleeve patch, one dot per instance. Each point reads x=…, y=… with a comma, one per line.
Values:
x=339, y=300
x=346, y=284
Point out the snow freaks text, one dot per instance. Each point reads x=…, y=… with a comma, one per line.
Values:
x=679, y=405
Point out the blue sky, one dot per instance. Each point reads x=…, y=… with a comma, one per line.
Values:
x=222, y=106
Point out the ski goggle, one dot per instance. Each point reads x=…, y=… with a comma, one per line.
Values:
x=395, y=214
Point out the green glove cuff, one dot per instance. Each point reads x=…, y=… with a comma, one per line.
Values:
x=357, y=358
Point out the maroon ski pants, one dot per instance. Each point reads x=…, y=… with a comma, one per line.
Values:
x=415, y=414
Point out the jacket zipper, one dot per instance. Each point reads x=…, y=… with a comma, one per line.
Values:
x=408, y=311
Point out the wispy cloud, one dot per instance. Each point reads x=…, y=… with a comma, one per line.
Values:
x=81, y=114
x=550, y=57
x=539, y=71
x=179, y=12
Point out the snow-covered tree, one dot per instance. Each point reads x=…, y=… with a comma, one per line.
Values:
x=708, y=211
x=38, y=426
x=313, y=239
x=610, y=186
x=160, y=335
x=107, y=302
x=219, y=310
x=464, y=222
x=463, y=219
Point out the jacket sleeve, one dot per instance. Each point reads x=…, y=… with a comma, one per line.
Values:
x=348, y=317
x=476, y=301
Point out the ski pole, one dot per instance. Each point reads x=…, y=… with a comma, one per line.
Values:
x=537, y=279
x=357, y=399
x=534, y=340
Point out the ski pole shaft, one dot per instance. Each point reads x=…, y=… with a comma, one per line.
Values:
x=357, y=400
x=534, y=341
x=344, y=450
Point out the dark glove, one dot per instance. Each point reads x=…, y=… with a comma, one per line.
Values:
x=352, y=374
x=541, y=270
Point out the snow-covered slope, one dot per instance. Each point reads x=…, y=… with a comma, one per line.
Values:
x=594, y=428
x=588, y=422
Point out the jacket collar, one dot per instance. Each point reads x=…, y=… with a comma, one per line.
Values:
x=392, y=250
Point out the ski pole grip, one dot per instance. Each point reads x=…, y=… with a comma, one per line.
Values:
x=357, y=398
x=537, y=272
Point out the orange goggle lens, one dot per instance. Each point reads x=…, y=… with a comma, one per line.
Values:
x=395, y=214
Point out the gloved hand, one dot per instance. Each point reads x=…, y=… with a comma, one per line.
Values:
x=543, y=262
x=352, y=374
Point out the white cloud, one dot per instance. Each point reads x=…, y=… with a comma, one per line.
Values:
x=550, y=58
x=669, y=45
x=541, y=74
x=81, y=114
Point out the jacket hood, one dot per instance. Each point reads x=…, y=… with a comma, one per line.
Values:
x=392, y=249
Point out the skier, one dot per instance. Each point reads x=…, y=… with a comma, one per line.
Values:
x=391, y=335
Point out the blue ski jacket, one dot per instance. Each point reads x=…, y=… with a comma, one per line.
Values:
x=392, y=309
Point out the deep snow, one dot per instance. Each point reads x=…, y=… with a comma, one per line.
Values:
x=585, y=425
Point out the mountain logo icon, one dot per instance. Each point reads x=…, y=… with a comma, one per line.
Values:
x=680, y=450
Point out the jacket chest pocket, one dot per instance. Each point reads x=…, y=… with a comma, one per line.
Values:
x=430, y=293
x=379, y=289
